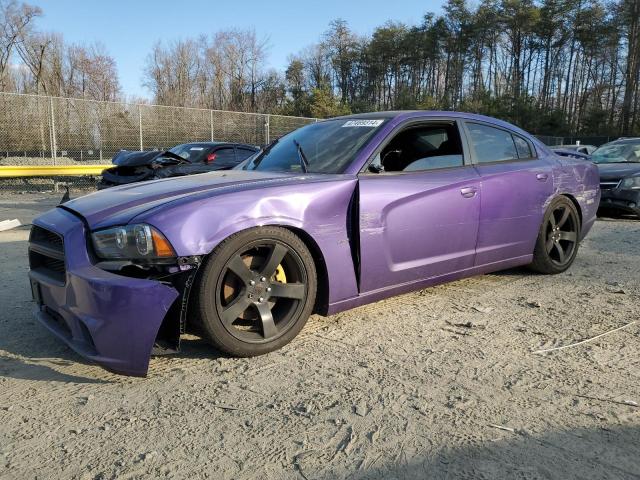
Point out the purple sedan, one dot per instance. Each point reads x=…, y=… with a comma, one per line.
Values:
x=337, y=214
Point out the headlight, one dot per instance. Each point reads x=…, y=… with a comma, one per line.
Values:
x=631, y=183
x=131, y=242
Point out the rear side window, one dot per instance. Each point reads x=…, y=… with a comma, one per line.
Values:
x=225, y=157
x=492, y=144
x=523, y=147
x=244, y=153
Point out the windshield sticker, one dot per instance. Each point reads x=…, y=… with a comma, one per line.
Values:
x=363, y=123
x=196, y=148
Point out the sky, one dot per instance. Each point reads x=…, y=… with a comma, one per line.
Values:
x=128, y=29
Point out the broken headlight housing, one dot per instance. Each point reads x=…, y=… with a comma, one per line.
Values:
x=132, y=242
x=630, y=183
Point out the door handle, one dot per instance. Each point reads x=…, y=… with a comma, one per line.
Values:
x=468, y=192
x=543, y=177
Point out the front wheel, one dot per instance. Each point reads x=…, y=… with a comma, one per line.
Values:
x=557, y=243
x=256, y=292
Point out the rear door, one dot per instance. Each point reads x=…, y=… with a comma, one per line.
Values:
x=421, y=221
x=515, y=185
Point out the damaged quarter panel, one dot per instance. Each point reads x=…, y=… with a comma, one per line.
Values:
x=581, y=181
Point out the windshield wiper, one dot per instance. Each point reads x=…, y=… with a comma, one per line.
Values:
x=304, y=163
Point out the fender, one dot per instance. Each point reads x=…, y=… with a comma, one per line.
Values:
x=320, y=209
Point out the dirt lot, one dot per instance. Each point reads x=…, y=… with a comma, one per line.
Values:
x=441, y=383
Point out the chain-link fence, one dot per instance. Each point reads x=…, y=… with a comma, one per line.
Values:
x=550, y=141
x=40, y=130
x=584, y=140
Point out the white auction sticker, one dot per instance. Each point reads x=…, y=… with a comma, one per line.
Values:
x=197, y=148
x=363, y=123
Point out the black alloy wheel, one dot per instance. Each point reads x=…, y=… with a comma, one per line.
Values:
x=257, y=291
x=558, y=239
x=261, y=289
x=561, y=234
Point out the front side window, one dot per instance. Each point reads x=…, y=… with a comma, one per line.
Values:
x=492, y=144
x=193, y=153
x=323, y=147
x=422, y=147
x=244, y=153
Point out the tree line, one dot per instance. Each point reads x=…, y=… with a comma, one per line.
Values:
x=557, y=67
x=33, y=61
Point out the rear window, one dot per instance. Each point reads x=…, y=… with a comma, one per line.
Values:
x=522, y=147
x=492, y=144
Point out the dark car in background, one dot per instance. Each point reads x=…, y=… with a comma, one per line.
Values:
x=184, y=159
x=619, y=166
x=583, y=149
x=565, y=152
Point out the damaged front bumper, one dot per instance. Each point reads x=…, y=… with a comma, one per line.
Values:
x=114, y=176
x=108, y=318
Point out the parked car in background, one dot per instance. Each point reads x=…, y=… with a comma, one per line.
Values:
x=570, y=153
x=336, y=214
x=583, y=149
x=619, y=166
x=184, y=159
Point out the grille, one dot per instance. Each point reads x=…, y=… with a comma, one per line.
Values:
x=609, y=184
x=47, y=236
x=46, y=254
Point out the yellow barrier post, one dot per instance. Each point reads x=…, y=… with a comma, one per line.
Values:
x=7, y=171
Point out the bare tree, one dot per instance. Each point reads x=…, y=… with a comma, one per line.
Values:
x=15, y=24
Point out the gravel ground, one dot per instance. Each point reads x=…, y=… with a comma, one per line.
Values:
x=440, y=383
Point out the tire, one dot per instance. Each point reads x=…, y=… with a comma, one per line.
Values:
x=256, y=292
x=558, y=238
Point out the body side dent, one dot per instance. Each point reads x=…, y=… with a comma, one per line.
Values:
x=321, y=210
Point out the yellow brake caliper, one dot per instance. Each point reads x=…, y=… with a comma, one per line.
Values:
x=279, y=276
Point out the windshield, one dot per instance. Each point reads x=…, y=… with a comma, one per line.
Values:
x=617, y=153
x=323, y=147
x=189, y=151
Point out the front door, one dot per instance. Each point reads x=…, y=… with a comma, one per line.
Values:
x=419, y=208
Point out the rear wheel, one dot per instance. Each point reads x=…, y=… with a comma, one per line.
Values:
x=257, y=291
x=557, y=243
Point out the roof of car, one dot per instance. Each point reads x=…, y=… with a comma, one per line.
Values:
x=217, y=144
x=627, y=140
x=439, y=113
x=425, y=113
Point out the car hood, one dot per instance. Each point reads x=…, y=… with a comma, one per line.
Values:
x=125, y=158
x=617, y=171
x=119, y=205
